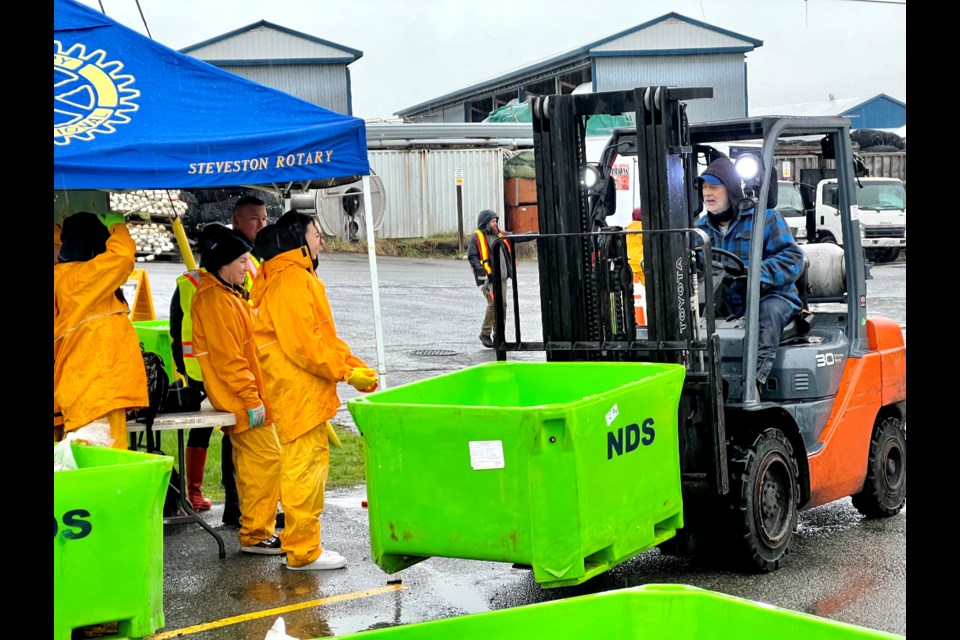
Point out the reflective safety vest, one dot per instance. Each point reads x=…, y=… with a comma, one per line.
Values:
x=187, y=285
x=485, y=250
x=252, y=270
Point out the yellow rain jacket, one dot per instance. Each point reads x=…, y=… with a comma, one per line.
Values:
x=635, y=249
x=300, y=354
x=97, y=364
x=224, y=347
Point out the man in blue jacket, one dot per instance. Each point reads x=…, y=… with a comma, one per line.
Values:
x=782, y=264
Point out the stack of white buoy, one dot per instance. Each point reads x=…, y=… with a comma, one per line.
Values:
x=149, y=203
x=148, y=213
x=153, y=239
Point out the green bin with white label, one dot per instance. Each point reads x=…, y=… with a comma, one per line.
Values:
x=570, y=468
x=108, y=542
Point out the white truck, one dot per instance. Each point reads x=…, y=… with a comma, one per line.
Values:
x=882, y=212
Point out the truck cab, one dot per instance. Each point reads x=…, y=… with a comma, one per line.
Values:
x=790, y=206
x=881, y=211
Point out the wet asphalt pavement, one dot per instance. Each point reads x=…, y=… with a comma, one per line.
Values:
x=843, y=566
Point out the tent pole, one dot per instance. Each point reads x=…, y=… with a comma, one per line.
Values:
x=374, y=281
x=183, y=243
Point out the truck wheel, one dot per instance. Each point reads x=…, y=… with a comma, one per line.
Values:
x=881, y=256
x=764, y=489
x=885, y=489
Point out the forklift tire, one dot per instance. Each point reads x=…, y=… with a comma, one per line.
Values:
x=885, y=489
x=764, y=489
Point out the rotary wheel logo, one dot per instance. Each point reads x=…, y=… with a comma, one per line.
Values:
x=90, y=94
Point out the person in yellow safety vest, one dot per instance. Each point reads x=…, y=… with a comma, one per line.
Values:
x=223, y=343
x=303, y=360
x=98, y=371
x=249, y=216
x=478, y=253
x=635, y=245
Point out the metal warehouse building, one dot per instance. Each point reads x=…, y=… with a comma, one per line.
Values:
x=670, y=50
x=297, y=63
x=865, y=112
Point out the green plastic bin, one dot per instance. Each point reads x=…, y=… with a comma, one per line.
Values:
x=108, y=541
x=568, y=467
x=649, y=612
x=155, y=336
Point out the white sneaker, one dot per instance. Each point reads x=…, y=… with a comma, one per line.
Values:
x=327, y=560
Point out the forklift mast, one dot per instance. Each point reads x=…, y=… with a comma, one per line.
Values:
x=570, y=281
x=586, y=286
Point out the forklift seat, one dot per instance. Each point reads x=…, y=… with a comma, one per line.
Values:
x=801, y=323
x=822, y=280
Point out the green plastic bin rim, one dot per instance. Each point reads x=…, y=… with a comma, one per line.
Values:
x=110, y=457
x=152, y=324
x=382, y=398
x=665, y=598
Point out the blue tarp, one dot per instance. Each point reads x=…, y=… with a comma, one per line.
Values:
x=130, y=113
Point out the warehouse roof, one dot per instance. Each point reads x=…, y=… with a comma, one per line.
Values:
x=832, y=107
x=300, y=48
x=743, y=44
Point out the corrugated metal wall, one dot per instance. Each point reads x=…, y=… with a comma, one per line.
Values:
x=421, y=194
x=454, y=113
x=322, y=84
x=723, y=72
x=878, y=114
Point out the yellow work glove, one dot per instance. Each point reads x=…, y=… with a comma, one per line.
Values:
x=363, y=379
x=332, y=435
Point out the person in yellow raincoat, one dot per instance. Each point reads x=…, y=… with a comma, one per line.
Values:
x=302, y=360
x=223, y=345
x=98, y=371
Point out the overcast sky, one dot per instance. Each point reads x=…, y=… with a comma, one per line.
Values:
x=420, y=49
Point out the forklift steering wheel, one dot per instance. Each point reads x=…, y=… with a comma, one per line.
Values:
x=737, y=269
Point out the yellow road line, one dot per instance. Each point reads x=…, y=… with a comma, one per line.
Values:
x=225, y=622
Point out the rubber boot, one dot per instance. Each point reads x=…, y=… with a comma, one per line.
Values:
x=196, y=461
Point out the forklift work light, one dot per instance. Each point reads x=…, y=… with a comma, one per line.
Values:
x=591, y=176
x=748, y=167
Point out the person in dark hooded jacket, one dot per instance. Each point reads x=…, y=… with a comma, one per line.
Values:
x=480, y=253
x=730, y=228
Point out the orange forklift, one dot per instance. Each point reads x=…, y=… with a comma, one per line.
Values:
x=830, y=421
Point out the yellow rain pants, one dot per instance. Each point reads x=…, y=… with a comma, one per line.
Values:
x=256, y=457
x=306, y=465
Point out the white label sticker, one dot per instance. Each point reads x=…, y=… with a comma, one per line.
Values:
x=486, y=454
x=612, y=414
x=854, y=212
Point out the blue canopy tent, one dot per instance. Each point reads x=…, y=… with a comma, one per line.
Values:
x=131, y=113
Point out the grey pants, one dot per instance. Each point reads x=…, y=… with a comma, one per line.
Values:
x=486, y=328
x=775, y=313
